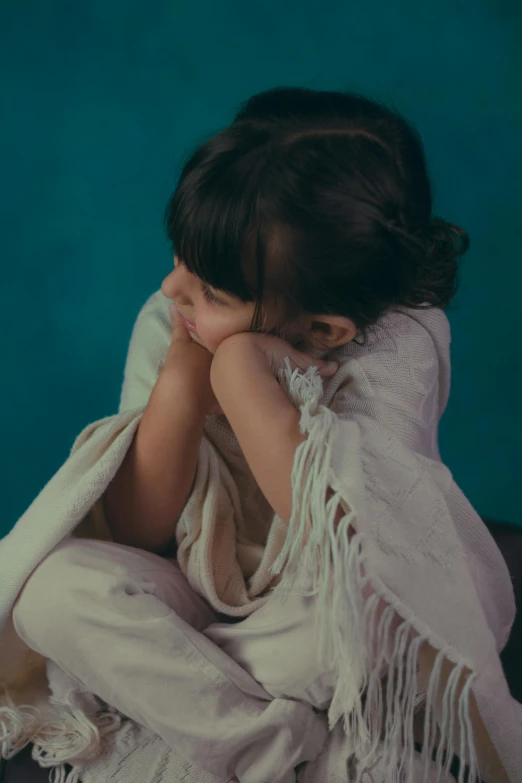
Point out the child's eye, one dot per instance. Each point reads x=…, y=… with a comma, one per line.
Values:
x=209, y=296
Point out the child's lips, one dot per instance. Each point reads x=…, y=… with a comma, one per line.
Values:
x=189, y=325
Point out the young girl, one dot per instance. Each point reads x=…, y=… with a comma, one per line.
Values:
x=273, y=543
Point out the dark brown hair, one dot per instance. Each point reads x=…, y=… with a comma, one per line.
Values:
x=322, y=199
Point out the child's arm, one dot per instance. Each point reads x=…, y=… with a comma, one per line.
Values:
x=143, y=502
x=148, y=493
x=266, y=425
x=264, y=420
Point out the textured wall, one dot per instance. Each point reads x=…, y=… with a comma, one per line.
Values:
x=103, y=98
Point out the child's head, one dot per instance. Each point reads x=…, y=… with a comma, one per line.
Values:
x=309, y=217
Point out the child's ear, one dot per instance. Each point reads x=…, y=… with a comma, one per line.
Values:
x=330, y=331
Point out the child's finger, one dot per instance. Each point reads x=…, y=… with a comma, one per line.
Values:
x=304, y=361
x=173, y=310
x=329, y=368
x=179, y=331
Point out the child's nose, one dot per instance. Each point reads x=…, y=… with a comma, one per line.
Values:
x=171, y=283
x=166, y=287
x=173, y=287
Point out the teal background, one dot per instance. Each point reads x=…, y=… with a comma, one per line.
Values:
x=102, y=99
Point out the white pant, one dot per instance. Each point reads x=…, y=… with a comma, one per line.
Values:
x=234, y=698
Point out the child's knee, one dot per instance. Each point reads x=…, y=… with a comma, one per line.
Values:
x=52, y=596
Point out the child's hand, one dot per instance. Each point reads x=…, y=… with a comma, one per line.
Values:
x=192, y=362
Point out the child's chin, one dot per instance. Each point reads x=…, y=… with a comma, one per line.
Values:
x=199, y=341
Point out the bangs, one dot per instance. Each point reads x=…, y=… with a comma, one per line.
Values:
x=226, y=224
x=214, y=223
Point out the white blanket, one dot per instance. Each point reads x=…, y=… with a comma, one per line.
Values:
x=372, y=439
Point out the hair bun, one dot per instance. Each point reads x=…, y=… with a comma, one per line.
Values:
x=446, y=240
x=436, y=270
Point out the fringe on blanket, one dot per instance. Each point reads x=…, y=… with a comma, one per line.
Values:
x=63, y=731
x=377, y=702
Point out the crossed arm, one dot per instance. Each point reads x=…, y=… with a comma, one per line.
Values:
x=266, y=425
